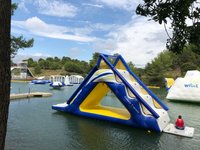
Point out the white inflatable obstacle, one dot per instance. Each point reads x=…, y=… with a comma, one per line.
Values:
x=56, y=85
x=171, y=129
x=187, y=88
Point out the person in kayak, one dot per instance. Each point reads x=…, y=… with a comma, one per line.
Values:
x=180, y=123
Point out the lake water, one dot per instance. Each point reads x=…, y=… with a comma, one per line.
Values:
x=33, y=125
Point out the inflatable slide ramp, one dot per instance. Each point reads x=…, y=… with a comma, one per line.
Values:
x=141, y=107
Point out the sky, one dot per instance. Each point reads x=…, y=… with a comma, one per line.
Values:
x=79, y=28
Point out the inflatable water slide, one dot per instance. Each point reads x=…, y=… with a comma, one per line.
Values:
x=186, y=89
x=142, y=109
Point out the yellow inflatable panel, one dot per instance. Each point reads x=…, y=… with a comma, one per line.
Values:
x=169, y=82
x=109, y=112
x=92, y=104
x=103, y=65
x=120, y=65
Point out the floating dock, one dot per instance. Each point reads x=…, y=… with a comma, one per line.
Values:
x=29, y=95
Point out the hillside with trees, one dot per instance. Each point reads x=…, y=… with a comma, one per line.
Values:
x=166, y=64
x=55, y=66
x=65, y=66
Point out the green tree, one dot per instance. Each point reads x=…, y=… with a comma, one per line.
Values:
x=177, y=11
x=31, y=63
x=94, y=59
x=50, y=59
x=169, y=64
x=84, y=67
x=42, y=63
x=132, y=67
x=56, y=59
x=19, y=43
x=66, y=63
x=65, y=59
x=5, y=73
x=72, y=67
x=138, y=71
x=54, y=66
x=188, y=66
x=37, y=69
x=159, y=68
x=187, y=60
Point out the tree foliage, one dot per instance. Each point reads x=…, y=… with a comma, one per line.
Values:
x=31, y=62
x=134, y=69
x=37, y=69
x=13, y=8
x=169, y=64
x=178, y=12
x=94, y=59
x=66, y=63
x=158, y=68
x=188, y=60
x=20, y=43
x=71, y=66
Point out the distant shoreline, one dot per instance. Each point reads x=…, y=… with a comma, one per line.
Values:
x=20, y=80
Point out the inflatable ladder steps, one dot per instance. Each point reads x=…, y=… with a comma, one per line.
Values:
x=136, y=86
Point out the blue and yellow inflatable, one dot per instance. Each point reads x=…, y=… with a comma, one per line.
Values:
x=142, y=108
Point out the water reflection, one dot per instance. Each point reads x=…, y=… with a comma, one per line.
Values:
x=89, y=133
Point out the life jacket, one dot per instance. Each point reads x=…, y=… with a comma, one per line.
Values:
x=179, y=123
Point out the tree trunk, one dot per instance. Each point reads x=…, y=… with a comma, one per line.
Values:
x=5, y=17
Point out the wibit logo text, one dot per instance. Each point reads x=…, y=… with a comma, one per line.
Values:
x=191, y=85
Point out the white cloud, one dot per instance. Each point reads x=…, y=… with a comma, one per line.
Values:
x=93, y=5
x=38, y=27
x=56, y=8
x=105, y=45
x=138, y=41
x=122, y=4
x=22, y=6
x=103, y=27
